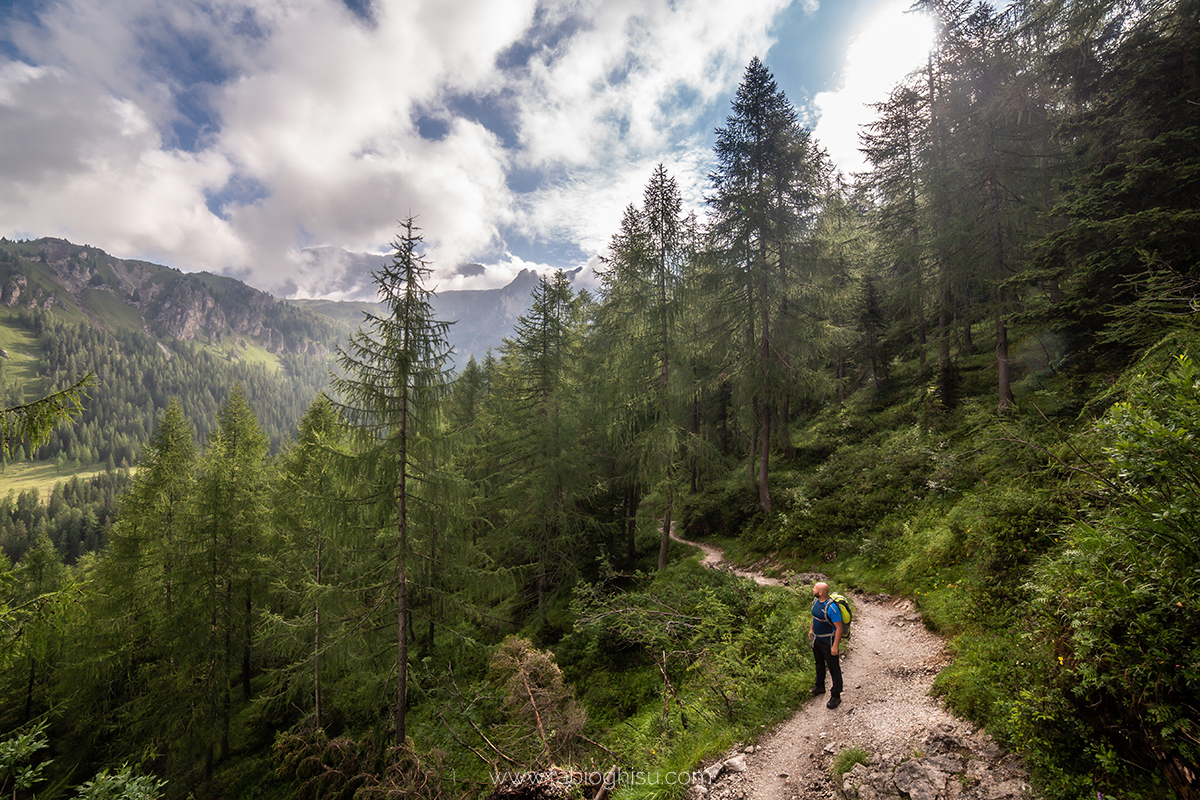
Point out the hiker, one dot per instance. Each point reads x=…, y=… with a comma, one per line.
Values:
x=825, y=633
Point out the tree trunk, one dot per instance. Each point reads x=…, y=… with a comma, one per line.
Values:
x=1002, y=365
x=402, y=577
x=664, y=543
x=226, y=667
x=764, y=457
x=764, y=436
x=432, y=583
x=632, y=501
x=694, y=464
x=789, y=449
x=317, y=642
x=248, y=643
x=29, y=691
x=1003, y=376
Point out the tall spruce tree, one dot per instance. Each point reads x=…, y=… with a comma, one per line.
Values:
x=392, y=382
x=766, y=189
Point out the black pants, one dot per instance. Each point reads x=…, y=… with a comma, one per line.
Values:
x=824, y=659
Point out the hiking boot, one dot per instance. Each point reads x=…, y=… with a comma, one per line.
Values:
x=815, y=691
x=834, y=701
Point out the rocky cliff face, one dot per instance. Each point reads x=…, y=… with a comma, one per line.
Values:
x=12, y=289
x=181, y=305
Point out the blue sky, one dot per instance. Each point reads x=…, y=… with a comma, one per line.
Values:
x=230, y=135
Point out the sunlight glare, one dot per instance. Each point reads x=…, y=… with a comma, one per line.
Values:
x=891, y=44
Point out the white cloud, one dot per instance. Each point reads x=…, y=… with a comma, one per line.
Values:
x=333, y=140
x=91, y=167
x=130, y=121
x=587, y=209
x=637, y=74
x=891, y=44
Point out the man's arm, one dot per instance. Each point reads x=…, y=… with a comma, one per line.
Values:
x=837, y=637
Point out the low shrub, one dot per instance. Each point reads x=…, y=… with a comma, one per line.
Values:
x=989, y=668
x=1121, y=599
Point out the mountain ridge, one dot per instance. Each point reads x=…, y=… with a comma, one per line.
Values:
x=81, y=281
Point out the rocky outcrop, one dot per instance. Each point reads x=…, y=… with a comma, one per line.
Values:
x=74, y=267
x=188, y=312
x=11, y=291
x=953, y=765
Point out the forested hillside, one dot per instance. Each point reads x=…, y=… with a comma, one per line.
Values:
x=146, y=334
x=968, y=376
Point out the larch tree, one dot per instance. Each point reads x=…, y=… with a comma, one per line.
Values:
x=1122, y=259
x=141, y=660
x=617, y=379
x=312, y=513
x=840, y=302
x=642, y=309
x=27, y=425
x=995, y=157
x=542, y=434
x=232, y=523
x=40, y=579
x=896, y=146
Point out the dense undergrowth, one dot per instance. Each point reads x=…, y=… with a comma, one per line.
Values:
x=649, y=671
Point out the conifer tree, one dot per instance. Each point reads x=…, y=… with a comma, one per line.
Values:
x=767, y=187
x=837, y=284
x=997, y=152
x=32, y=423
x=1121, y=260
x=313, y=520
x=40, y=579
x=641, y=314
x=896, y=145
x=231, y=526
x=960, y=154
x=392, y=382
x=134, y=679
x=541, y=434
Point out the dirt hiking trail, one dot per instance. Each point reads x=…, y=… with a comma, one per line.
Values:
x=888, y=667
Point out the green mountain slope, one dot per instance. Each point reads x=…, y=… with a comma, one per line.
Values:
x=148, y=334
